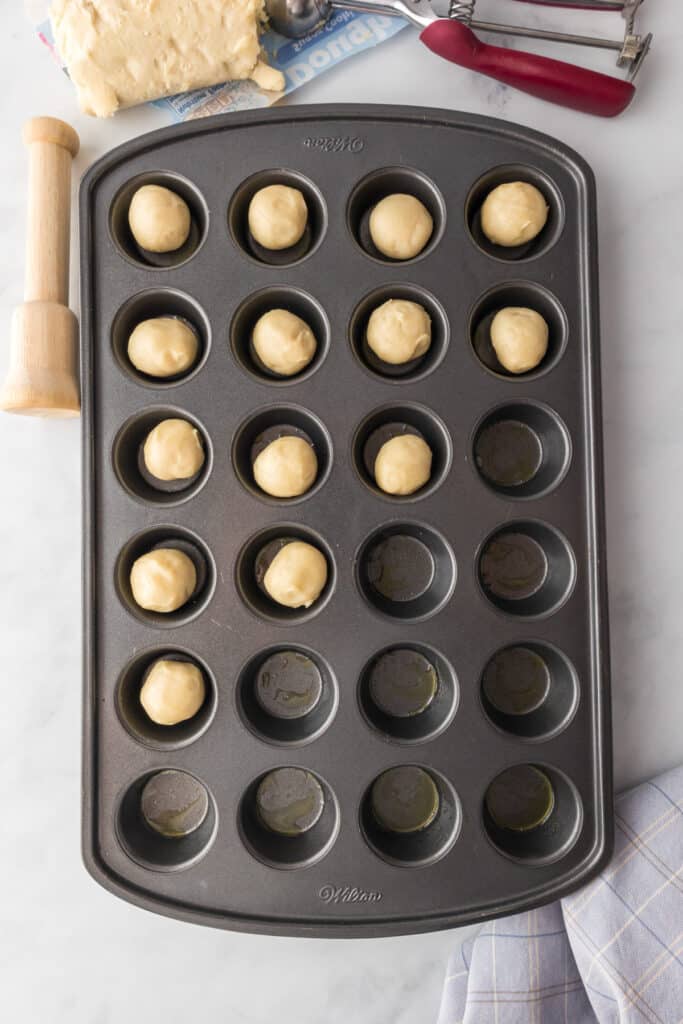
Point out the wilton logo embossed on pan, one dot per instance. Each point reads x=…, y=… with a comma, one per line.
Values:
x=335, y=143
x=347, y=894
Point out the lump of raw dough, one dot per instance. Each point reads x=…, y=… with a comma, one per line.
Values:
x=286, y=468
x=267, y=78
x=163, y=580
x=163, y=346
x=403, y=464
x=159, y=219
x=283, y=342
x=173, y=450
x=399, y=330
x=519, y=337
x=277, y=216
x=173, y=691
x=121, y=52
x=400, y=226
x=513, y=213
x=297, y=575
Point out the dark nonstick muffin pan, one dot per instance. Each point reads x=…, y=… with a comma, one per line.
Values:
x=438, y=721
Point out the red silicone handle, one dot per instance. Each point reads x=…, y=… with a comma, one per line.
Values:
x=552, y=80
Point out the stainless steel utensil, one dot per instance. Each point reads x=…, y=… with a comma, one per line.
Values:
x=453, y=39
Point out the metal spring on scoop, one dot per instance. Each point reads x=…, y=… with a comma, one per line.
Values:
x=461, y=10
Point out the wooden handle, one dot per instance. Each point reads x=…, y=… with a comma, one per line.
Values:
x=43, y=374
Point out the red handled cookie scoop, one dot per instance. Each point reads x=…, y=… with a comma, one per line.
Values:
x=453, y=39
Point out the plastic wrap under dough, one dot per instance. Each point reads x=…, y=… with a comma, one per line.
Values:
x=122, y=52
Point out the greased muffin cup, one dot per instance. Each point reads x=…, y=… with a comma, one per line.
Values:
x=427, y=743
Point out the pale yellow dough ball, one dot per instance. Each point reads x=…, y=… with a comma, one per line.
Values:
x=513, y=213
x=403, y=465
x=520, y=338
x=173, y=691
x=399, y=330
x=163, y=580
x=163, y=346
x=277, y=216
x=286, y=468
x=297, y=575
x=400, y=226
x=159, y=219
x=283, y=342
x=173, y=450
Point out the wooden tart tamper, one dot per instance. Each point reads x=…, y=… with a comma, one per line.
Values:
x=43, y=371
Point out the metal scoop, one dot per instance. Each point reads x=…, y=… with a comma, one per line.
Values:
x=453, y=39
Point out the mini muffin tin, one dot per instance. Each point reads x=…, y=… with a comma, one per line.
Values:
x=483, y=595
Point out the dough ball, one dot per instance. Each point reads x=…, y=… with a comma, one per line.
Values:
x=159, y=219
x=400, y=226
x=173, y=450
x=286, y=468
x=403, y=465
x=162, y=580
x=297, y=575
x=173, y=691
x=513, y=213
x=277, y=216
x=399, y=330
x=520, y=338
x=283, y=342
x=163, y=346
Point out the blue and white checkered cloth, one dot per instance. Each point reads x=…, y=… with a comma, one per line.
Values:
x=611, y=953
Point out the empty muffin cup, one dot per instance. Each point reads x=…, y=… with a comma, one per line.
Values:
x=410, y=815
x=391, y=181
x=271, y=424
x=520, y=798
x=289, y=817
x=548, y=235
x=403, y=683
x=406, y=571
x=530, y=690
x=526, y=568
x=122, y=234
x=391, y=421
x=176, y=538
x=525, y=295
x=416, y=368
x=287, y=695
x=133, y=715
x=521, y=450
x=316, y=221
x=408, y=692
x=288, y=685
x=166, y=820
x=289, y=801
x=132, y=471
x=532, y=813
x=174, y=804
x=404, y=799
x=256, y=558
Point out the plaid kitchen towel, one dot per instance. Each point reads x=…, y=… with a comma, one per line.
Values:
x=611, y=953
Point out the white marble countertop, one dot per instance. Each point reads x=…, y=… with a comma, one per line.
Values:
x=69, y=952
